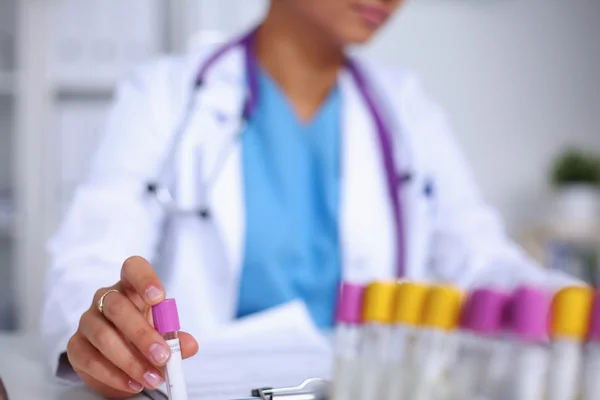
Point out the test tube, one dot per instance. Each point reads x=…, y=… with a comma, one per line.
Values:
x=436, y=343
x=591, y=375
x=409, y=302
x=571, y=309
x=166, y=322
x=479, y=344
x=347, y=341
x=376, y=334
x=526, y=377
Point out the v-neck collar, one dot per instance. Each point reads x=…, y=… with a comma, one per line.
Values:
x=266, y=81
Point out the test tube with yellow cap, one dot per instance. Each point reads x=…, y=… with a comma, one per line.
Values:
x=407, y=316
x=376, y=334
x=571, y=309
x=436, y=342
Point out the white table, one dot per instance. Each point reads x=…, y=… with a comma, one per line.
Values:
x=26, y=375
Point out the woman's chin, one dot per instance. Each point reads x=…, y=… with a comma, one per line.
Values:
x=359, y=35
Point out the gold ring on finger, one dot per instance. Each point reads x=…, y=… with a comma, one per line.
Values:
x=101, y=300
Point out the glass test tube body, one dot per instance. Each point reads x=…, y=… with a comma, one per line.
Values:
x=347, y=340
x=566, y=359
x=526, y=378
x=374, y=360
x=400, y=372
x=480, y=367
x=591, y=374
x=499, y=367
x=470, y=373
x=174, y=376
x=435, y=348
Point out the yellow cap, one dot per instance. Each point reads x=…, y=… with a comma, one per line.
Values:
x=442, y=307
x=379, y=302
x=410, y=299
x=571, y=310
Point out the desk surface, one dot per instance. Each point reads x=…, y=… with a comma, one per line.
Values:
x=25, y=374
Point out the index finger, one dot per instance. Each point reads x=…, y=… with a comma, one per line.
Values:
x=138, y=275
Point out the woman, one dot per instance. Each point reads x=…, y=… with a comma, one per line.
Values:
x=337, y=169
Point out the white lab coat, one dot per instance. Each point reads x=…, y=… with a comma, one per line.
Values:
x=451, y=236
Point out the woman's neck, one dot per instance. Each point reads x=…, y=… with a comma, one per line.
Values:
x=299, y=58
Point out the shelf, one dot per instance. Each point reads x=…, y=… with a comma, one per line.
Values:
x=76, y=89
x=7, y=217
x=7, y=83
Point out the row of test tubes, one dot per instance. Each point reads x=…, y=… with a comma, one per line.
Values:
x=410, y=341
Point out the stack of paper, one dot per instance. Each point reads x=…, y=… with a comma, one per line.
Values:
x=268, y=350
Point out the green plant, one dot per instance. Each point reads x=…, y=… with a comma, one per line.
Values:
x=576, y=166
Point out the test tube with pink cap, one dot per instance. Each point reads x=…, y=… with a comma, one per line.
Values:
x=526, y=379
x=479, y=343
x=166, y=322
x=347, y=340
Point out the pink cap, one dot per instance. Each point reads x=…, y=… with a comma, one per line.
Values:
x=507, y=315
x=484, y=310
x=530, y=313
x=350, y=304
x=594, y=334
x=165, y=316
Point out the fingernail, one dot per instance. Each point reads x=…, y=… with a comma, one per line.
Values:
x=153, y=379
x=159, y=353
x=136, y=386
x=153, y=293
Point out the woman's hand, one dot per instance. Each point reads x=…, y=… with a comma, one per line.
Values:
x=117, y=352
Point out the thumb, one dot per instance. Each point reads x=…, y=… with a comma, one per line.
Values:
x=189, y=345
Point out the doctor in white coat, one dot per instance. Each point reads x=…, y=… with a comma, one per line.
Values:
x=275, y=163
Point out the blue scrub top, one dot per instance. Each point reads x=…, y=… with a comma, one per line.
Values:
x=292, y=191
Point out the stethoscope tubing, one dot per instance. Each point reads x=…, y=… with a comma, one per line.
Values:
x=168, y=202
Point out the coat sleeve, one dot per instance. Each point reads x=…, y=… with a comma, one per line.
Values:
x=469, y=245
x=110, y=217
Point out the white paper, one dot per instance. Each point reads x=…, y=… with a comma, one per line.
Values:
x=278, y=348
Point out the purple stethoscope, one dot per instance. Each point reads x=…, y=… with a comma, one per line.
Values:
x=393, y=180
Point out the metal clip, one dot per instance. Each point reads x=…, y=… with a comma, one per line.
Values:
x=310, y=389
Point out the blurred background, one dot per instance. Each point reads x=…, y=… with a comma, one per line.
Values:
x=520, y=80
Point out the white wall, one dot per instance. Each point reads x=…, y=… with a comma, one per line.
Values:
x=520, y=79
x=79, y=128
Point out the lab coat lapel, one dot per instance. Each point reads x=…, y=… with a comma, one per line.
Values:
x=220, y=108
x=366, y=219
x=415, y=207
